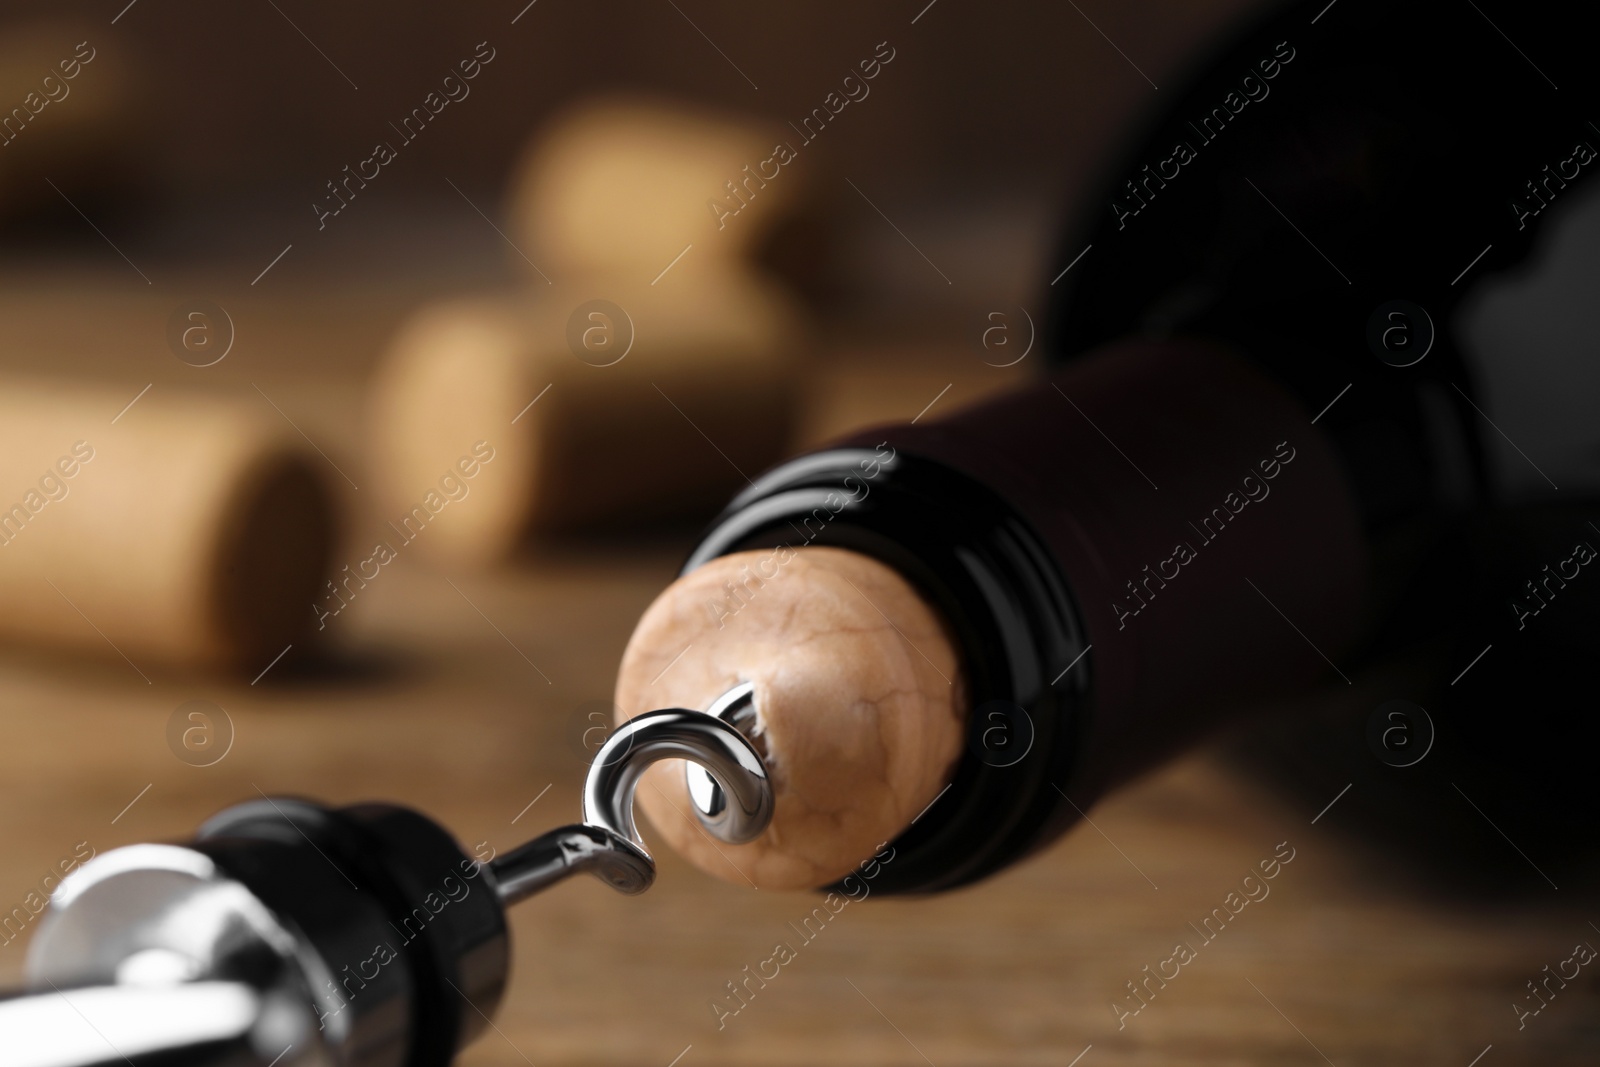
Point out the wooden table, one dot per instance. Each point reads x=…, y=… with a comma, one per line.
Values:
x=471, y=705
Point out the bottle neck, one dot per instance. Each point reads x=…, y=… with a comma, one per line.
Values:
x=996, y=584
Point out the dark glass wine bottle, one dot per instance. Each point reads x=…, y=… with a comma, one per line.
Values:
x=1259, y=461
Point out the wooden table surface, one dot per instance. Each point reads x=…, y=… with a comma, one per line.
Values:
x=470, y=703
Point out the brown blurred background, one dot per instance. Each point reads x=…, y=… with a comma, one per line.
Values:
x=988, y=124
x=188, y=156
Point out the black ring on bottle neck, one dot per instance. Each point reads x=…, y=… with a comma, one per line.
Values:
x=1002, y=594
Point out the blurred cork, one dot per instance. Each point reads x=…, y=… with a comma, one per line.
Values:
x=177, y=528
x=647, y=370
x=636, y=402
x=624, y=185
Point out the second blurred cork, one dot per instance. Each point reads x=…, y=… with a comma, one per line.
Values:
x=648, y=367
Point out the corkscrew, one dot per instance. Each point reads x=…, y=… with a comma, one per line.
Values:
x=292, y=934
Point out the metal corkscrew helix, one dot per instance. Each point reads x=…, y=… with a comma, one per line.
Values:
x=290, y=934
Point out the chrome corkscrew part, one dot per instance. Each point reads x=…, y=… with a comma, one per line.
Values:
x=292, y=934
x=607, y=843
x=709, y=799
